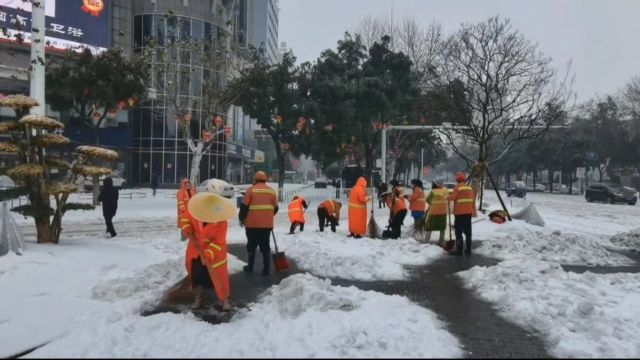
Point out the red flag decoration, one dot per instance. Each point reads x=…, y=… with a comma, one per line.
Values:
x=93, y=7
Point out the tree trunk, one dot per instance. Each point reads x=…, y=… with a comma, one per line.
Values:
x=96, y=189
x=56, y=226
x=194, y=174
x=550, y=178
x=44, y=230
x=535, y=178
x=570, y=181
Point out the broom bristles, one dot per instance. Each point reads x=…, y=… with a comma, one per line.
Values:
x=373, y=229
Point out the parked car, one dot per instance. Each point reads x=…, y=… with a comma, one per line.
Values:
x=221, y=186
x=611, y=193
x=118, y=182
x=321, y=183
x=540, y=187
x=517, y=189
x=450, y=186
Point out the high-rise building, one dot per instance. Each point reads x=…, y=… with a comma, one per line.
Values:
x=262, y=26
x=148, y=137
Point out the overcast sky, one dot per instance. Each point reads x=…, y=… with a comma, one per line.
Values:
x=602, y=37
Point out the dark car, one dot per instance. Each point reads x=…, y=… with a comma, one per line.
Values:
x=611, y=193
x=517, y=189
x=320, y=183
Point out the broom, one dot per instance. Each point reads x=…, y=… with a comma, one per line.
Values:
x=373, y=229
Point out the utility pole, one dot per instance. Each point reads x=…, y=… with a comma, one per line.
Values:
x=37, y=74
x=421, y=172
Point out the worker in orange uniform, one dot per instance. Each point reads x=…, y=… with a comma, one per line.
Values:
x=398, y=211
x=257, y=213
x=206, y=257
x=464, y=207
x=185, y=193
x=417, y=200
x=329, y=214
x=358, y=209
x=297, y=207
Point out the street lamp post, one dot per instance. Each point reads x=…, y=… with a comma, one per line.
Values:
x=37, y=82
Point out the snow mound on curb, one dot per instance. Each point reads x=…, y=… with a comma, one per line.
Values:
x=579, y=315
x=627, y=241
x=336, y=256
x=302, y=317
x=564, y=248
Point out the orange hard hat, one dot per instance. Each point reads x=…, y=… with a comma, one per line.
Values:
x=260, y=176
x=460, y=177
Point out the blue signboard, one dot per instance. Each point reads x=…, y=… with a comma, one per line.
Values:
x=69, y=23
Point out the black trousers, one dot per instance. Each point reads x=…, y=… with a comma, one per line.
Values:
x=463, y=226
x=259, y=238
x=108, y=221
x=324, y=220
x=396, y=224
x=294, y=225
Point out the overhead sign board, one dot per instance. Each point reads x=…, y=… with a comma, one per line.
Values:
x=70, y=24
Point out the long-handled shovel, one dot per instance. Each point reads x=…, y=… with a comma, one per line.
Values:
x=280, y=261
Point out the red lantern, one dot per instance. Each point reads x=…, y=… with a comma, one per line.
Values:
x=206, y=135
x=227, y=131
x=122, y=104
x=112, y=113
x=218, y=121
x=97, y=115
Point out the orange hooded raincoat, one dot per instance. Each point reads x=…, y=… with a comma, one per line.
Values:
x=358, y=208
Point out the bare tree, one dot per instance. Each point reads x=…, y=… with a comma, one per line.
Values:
x=631, y=95
x=511, y=88
x=200, y=99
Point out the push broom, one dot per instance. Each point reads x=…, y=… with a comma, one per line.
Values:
x=373, y=228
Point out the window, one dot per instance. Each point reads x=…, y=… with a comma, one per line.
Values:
x=185, y=29
x=159, y=26
x=137, y=32
x=147, y=29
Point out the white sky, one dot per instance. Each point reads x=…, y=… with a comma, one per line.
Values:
x=602, y=37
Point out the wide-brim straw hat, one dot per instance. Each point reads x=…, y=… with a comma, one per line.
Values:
x=211, y=208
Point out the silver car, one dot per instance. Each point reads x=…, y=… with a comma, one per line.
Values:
x=218, y=186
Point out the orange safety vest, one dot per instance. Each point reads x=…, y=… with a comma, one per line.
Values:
x=398, y=205
x=212, y=240
x=463, y=199
x=438, y=203
x=262, y=203
x=417, y=200
x=296, y=210
x=333, y=208
x=358, y=208
x=183, y=197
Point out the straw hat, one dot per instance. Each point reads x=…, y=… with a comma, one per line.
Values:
x=211, y=208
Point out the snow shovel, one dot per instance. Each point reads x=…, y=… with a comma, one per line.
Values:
x=280, y=261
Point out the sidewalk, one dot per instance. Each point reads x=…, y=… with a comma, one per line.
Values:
x=481, y=331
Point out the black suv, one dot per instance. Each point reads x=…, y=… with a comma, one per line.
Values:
x=611, y=193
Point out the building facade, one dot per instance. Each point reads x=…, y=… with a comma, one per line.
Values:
x=148, y=137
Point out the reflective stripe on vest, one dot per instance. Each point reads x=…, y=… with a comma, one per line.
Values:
x=261, y=207
x=219, y=263
x=263, y=191
x=215, y=246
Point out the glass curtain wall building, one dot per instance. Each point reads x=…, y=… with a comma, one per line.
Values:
x=159, y=147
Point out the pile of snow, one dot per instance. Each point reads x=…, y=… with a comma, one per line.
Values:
x=564, y=248
x=627, y=241
x=335, y=255
x=579, y=315
x=54, y=289
x=301, y=317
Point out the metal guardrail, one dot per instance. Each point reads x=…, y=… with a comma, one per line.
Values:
x=130, y=195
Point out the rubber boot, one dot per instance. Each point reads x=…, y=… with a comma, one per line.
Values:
x=199, y=299
x=249, y=267
x=302, y=227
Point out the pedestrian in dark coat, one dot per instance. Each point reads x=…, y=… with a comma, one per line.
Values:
x=154, y=183
x=109, y=199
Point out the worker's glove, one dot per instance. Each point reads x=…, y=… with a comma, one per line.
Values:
x=187, y=232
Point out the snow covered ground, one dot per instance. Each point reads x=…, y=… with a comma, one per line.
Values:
x=54, y=289
x=87, y=292
x=303, y=317
x=579, y=315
